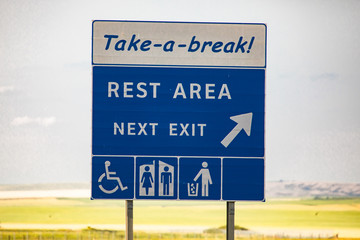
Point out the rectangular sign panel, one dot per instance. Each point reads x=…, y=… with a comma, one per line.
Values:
x=177, y=178
x=178, y=111
x=179, y=44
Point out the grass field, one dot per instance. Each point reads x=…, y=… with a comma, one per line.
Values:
x=333, y=214
x=115, y=235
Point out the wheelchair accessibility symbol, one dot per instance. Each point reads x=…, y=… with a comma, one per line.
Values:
x=110, y=176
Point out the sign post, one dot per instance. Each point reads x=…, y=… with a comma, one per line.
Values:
x=230, y=220
x=178, y=111
x=129, y=220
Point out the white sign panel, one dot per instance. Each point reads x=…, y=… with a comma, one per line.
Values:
x=179, y=44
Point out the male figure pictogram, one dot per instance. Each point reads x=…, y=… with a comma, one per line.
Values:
x=166, y=179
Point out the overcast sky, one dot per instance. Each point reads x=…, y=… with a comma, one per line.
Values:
x=312, y=83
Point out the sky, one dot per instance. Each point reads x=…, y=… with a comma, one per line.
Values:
x=312, y=83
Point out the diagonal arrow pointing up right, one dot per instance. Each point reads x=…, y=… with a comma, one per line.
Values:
x=243, y=122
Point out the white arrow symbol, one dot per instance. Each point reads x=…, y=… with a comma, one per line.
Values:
x=243, y=122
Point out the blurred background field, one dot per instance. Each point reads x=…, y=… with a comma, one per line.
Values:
x=92, y=234
x=296, y=218
x=321, y=213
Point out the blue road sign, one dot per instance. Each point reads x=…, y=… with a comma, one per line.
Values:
x=181, y=115
x=178, y=111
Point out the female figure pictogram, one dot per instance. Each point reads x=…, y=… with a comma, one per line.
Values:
x=147, y=180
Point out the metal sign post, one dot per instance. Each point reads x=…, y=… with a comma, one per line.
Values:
x=129, y=220
x=230, y=220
